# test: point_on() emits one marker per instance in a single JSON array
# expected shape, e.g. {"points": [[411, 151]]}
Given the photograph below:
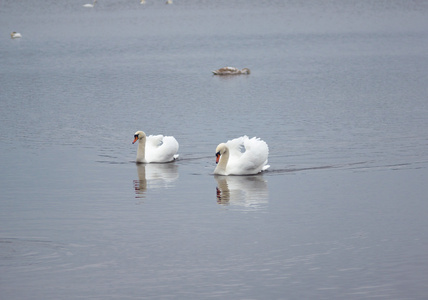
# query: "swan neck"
{"points": [[224, 158], [141, 152]]}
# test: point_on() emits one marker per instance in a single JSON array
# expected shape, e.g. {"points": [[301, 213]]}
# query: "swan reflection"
{"points": [[154, 176], [242, 191]]}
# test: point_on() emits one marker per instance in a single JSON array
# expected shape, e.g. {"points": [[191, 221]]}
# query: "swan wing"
{"points": [[161, 148], [236, 147], [230, 69], [226, 71], [249, 156], [154, 140]]}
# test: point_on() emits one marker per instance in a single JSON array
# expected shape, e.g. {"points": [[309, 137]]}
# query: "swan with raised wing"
{"points": [[155, 148], [242, 156]]}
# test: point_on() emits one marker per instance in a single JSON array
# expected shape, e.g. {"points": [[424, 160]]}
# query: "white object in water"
{"points": [[15, 35], [90, 5], [242, 156], [155, 148]]}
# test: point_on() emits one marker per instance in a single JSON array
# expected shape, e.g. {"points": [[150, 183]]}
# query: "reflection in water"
{"points": [[242, 191], [154, 176]]}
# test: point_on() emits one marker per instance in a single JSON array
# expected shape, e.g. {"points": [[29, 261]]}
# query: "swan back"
{"points": [[231, 71], [161, 148]]}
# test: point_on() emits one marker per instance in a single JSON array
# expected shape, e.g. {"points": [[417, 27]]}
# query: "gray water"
{"points": [[338, 90]]}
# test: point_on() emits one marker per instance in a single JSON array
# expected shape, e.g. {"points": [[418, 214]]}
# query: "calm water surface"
{"points": [[338, 90]]}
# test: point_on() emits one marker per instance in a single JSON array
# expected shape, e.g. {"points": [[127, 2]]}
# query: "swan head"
{"points": [[245, 71], [219, 151], [138, 136]]}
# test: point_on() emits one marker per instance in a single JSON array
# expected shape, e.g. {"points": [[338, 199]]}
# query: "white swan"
{"points": [[242, 156], [231, 71], [15, 35], [90, 5], [155, 148]]}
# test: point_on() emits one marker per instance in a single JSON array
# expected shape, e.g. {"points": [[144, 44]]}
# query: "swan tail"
{"points": [[169, 148], [265, 167]]}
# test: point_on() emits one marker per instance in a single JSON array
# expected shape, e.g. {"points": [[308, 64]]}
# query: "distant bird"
{"points": [[231, 71], [143, 2], [90, 5], [15, 35], [168, 2], [242, 156]]}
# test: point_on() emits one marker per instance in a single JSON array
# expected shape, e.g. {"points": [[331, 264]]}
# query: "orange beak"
{"points": [[135, 139], [217, 158]]}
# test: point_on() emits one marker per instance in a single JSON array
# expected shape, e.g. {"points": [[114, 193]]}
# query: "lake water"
{"points": [[338, 90]]}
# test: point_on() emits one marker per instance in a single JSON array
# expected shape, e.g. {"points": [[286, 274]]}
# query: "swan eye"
{"points": [[217, 154], [136, 136]]}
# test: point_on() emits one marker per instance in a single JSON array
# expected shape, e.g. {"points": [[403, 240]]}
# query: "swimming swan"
{"points": [[155, 148], [15, 35], [242, 156], [231, 71], [90, 5]]}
